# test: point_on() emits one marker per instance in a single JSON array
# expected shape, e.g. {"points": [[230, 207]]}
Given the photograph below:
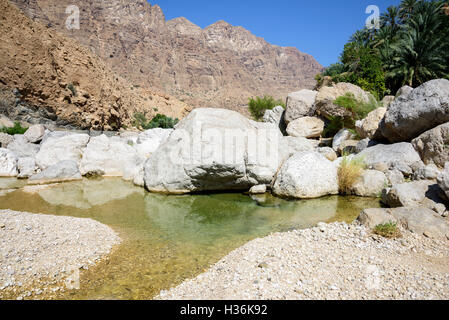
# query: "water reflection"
{"points": [[170, 238]]}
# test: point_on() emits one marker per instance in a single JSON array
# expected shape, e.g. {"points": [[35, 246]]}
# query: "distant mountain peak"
{"points": [[218, 66]]}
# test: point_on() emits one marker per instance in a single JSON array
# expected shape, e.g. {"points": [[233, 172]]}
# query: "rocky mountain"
{"points": [[219, 66], [48, 78]]}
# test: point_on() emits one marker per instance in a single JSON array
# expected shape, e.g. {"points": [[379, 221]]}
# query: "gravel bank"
{"points": [[336, 261], [40, 252]]}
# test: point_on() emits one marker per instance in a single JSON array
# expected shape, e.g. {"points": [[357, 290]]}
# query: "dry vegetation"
{"points": [[348, 173]]}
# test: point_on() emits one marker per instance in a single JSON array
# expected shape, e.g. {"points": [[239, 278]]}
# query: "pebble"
{"points": [[345, 261], [58, 243]]}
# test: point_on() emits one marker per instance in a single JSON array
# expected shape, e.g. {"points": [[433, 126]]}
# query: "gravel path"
{"points": [[336, 261], [41, 252]]}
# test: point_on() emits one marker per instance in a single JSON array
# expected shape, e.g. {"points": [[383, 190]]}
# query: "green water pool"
{"points": [[168, 239]]}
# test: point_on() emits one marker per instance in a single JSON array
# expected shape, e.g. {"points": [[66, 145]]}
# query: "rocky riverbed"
{"points": [[41, 253], [335, 261]]}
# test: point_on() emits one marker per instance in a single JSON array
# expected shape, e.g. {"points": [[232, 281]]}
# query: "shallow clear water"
{"points": [[167, 239]]}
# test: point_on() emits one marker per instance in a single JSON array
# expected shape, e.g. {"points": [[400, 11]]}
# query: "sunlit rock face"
{"points": [[215, 149]]}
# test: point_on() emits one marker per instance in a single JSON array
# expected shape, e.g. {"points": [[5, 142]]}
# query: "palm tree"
{"points": [[421, 54], [391, 17], [406, 7], [360, 38]]}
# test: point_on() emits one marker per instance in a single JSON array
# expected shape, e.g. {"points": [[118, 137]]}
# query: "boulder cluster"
{"points": [[404, 147]]}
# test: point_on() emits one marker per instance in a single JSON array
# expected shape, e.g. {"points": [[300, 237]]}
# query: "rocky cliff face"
{"points": [[50, 79], [219, 66]]}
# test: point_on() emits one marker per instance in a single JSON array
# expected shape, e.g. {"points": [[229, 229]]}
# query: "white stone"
{"points": [[306, 175], [56, 149]]}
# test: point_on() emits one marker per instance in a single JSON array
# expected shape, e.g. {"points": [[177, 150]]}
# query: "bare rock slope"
{"points": [[46, 77], [219, 66]]}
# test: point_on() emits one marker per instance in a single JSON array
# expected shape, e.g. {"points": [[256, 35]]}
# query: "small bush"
{"points": [[358, 108], [388, 230], [159, 121], [17, 129], [348, 173], [258, 106]]}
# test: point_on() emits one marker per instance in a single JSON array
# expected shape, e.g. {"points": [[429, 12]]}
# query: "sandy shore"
{"points": [[336, 261], [43, 252]]}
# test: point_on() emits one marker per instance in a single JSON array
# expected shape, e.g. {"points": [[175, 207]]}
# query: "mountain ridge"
{"points": [[218, 66]]}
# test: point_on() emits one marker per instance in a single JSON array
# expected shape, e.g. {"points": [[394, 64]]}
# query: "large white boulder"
{"points": [[306, 175], [214, 149], [149, 141], [55, 149], [112, 157], [8, 163]]}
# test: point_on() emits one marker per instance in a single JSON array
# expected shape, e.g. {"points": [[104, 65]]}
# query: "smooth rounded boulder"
{"points": [[389, 154], [300, 104], [35, 133], [413, 114], [307, 127], [214, 150], [433, 145], [306, 175]]}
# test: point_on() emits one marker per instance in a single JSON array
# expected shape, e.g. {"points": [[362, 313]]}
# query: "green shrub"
{"points": [[349, 172], [258, 106], [17, 129], [358, 108], [159, 121], [387, 230]]}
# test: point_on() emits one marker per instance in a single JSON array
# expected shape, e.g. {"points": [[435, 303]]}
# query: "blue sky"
{"points": [[319, 27]]}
